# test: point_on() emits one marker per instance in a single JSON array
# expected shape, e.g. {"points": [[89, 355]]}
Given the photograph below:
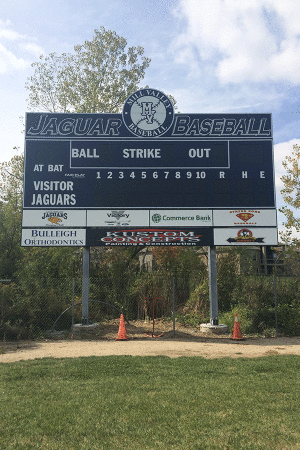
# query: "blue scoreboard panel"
{"points": [[96, 161]]}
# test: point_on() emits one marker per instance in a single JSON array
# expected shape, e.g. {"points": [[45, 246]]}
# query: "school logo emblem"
{"points": [[245, 235], [148, 113]]}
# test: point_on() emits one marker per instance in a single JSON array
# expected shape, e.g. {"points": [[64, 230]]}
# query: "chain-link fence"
{"points": [[35, 307]]}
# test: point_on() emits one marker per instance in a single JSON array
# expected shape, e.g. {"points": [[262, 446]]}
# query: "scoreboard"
{"points": [[146, 174], [89, 171]]}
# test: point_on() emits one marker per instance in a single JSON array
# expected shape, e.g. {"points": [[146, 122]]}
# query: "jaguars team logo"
{"points": [[148, 113]]}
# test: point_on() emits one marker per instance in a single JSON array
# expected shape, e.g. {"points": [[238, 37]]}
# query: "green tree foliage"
{"points": [[172, 267], [112, 271], [228, 264], [96, 78], [176, 260], [11, 181], [49, 262], [291, 194]]}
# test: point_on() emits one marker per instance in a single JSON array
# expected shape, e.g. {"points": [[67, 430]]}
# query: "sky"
{"points": [[213, 56]]}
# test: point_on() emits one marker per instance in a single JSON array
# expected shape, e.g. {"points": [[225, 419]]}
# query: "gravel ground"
{"points": [[187, 342]]}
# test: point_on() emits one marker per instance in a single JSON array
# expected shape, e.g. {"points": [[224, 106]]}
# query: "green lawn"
{"points": [[124, 402]]}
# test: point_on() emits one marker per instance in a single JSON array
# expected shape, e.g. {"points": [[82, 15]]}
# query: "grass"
{"points": [[137, 403]]}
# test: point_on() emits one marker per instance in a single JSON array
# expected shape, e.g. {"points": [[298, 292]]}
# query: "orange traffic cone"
{"points": [[236, 333], [122, 335]]}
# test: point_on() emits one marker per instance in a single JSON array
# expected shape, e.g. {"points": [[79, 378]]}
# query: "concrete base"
{"points": [[207, 328], [85, 331]]}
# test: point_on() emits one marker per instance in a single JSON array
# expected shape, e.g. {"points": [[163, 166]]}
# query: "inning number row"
{"points": [[153, 175]]}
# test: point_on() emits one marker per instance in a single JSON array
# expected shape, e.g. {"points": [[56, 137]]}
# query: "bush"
{"points": [[244, 317], [196, 309], [289, 319]]}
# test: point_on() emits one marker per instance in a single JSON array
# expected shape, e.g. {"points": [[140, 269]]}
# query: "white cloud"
{"points": [[32, 48], [11, 35], [244, 41], [5, 23], [284, 149], [16, 49], [9, 61]]}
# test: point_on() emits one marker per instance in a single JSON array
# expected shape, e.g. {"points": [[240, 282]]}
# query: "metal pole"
{"points": [[73, 296], [85, 285], [213, 289], [153, 304], [173, 307], [275, 298]]}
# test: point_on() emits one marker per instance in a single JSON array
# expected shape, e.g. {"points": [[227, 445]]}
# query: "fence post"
{"points": [[213, 289], [85, 285], [275, 298], [73, 296], [173, 307]]}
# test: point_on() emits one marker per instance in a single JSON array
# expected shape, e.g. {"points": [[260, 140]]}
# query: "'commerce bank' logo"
{"points": [[148, 113], [156, 218]]}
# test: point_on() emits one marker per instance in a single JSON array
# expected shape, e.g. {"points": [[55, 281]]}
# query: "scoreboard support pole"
{"points": [[213, 288], [85, 285]]}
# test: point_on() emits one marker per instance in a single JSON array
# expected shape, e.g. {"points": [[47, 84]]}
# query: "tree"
{"points": [[11, 180], [97, 78], [291, 194]]}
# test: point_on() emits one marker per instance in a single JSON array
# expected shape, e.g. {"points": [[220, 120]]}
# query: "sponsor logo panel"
{"points": [[54, 218], [182, 237], [117, 218], [45, 237], [179, 217], [245, 217], [245, 236]]}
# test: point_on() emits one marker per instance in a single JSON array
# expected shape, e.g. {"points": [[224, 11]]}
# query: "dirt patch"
{"points": [[187, 342]]}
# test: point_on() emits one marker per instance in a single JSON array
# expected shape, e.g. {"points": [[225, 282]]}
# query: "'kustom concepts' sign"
{"points": [[150, 237], [148, 167]]}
